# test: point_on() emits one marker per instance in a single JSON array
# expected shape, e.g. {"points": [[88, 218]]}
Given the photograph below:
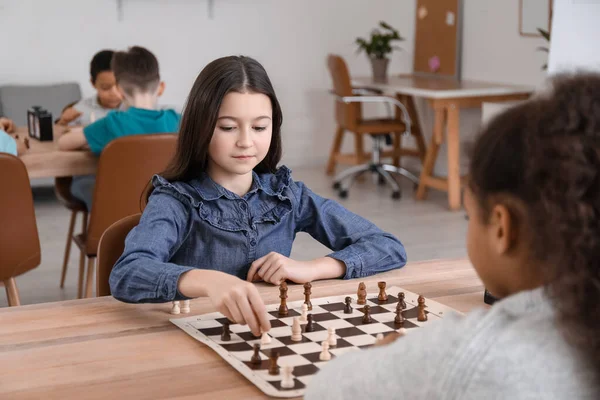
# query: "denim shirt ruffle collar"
{"points": [[204, 189]]}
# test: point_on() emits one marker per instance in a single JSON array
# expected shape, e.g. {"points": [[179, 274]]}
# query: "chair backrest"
{"points": [[346, 115], [110, 248], [19, 240], [16, 99], [125, 168]]}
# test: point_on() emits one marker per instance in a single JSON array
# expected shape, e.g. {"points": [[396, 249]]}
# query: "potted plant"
{"points": [[378, 47], [546, 35]]}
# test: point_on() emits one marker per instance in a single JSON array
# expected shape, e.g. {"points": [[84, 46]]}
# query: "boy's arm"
{"points": [[69, 114], [74, 140]]}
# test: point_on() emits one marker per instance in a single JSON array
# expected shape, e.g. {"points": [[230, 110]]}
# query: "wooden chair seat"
{"points": [[379, 126]]}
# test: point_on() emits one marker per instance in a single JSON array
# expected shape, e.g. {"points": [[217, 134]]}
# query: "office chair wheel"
{"points": [[343, 194], [337, 185], [396, 195], [380, 180]]}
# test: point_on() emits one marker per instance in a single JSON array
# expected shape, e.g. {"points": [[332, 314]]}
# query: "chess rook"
{"points": [[273, 367], [185, 307]]}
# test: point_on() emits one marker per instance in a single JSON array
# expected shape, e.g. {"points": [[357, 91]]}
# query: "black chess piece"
{"points": [[256, 360], [399, 320], [488, 298], [226, 334], [309, 325], [367, 317], [348, 307], [273, 367], [401, 301]]}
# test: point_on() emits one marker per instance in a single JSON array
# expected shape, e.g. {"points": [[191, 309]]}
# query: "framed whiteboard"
{"points": [[534, 14]]}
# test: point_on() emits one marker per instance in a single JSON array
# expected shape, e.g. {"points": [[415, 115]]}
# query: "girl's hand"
{"points": [[7, 125], [240, 302], [276, 268]]}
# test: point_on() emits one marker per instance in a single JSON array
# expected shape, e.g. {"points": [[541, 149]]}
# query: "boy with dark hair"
{"points": [[107, 97], [138, 81]]}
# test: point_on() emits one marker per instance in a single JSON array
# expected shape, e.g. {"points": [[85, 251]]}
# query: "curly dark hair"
{"points": [[541, 159]]}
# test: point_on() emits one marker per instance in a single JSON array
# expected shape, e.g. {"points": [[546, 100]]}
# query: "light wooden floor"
{"points": [[427, 230]]}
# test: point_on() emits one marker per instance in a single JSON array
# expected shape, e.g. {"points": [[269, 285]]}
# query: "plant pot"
{"points": [[380, 66]]}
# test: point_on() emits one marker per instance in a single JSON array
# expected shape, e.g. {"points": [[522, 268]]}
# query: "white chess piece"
{"points": [[304, 316], [175, 309], [288, 379], [185, 306], [402, 331], [379, 337], [265, 339], [296, 330], [325, 356], [331, 338]]}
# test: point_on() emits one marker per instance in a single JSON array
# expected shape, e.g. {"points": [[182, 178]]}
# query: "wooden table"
{"points": [[44, 160], [446, 97], [103, 349]]}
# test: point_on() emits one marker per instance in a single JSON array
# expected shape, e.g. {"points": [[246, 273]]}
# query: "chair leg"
{"points": [[90, 277], [400, 171], [389, 179], [81, 275], [68, 249], [335, 150], [12, 293], [397, 148]]}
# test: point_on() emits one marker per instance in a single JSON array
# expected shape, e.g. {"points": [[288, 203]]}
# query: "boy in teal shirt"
{"points": [[138, 80]]}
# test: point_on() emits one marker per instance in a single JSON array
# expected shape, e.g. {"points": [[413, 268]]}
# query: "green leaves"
{"points": [[379, 44], [546, 35]]}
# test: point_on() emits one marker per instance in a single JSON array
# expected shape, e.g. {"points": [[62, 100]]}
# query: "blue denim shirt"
{"points": [[200, 224]]}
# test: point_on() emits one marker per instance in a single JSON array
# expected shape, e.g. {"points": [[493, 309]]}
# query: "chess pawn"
{"points": [[382, 294], [175, 308], [361, 294], [399, 319], [287, 382], [304, 315], [421, 301], [401, 332], [379, 337], [331, 338], [256, 359], [348, 307], [401, 301], [367, 317], [296, 330], [309, 325], [185, 307], [265, 339], [325, 355], [421, 316], [226, 334]]}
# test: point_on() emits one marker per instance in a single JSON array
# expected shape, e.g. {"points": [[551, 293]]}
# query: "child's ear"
{"points": [[121, 91], [503, 229], [161, 89]]}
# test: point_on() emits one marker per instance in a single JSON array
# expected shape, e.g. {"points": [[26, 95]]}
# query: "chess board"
{"points": [[352, 335]]}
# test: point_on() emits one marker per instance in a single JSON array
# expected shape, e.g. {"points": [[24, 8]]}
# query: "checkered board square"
{"points": [[351, 333]]}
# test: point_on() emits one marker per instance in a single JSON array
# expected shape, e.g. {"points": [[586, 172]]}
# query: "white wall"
{"points": [[575, 33], [49, 41]]}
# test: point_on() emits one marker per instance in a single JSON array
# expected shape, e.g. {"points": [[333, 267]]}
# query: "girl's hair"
{"points": [[220, 77], [541, 159]]}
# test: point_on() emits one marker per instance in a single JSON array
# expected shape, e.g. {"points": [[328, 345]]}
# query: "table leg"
{"points": [[453, 132], [432, 152]]}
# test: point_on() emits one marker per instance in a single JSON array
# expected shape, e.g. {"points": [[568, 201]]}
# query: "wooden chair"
{"points": [[348, 114], [19, 241], [110, 248], [125, 168], [62, 189]]}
